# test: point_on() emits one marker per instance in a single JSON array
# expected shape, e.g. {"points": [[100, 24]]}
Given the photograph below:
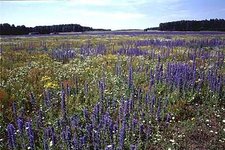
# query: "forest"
{"points": [[7, 29], [193, 25]]}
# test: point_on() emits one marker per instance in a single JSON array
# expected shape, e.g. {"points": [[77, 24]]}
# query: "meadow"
{"points": [[113, 91]]}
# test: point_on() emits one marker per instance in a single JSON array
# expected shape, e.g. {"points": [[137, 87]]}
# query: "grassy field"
{"points": [[113, 91]]}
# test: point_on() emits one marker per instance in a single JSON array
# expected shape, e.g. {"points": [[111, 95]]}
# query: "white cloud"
{"points": [[113, 15], [121, 13], [112, 3], [100, 19]]}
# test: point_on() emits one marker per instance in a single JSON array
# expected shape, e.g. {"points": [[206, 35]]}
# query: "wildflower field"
{"points": [[113, 91]]}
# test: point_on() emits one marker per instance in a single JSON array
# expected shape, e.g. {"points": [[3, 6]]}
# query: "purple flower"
{"points": [[146, 100], [86, 89], [74, 120], [97, 140], [68, 137], [85, 113], [68, 133], [122, 136], [111, 130], [125, 109], [63, 103], [151, 79], [141, 131], [96, 114], [20, 124], [158, 117], [39, 119], [152, 104], [101, 90], [75, 143], [89, 129], [11, 136], [67, 90], [32, 99], [14, 109], [168, 117], [47, 98], [53, 136], [63, 135], [133, 147], [30, 135], [149, 131], [83, 140], [134, 124], [45, 140], [130, 77]]}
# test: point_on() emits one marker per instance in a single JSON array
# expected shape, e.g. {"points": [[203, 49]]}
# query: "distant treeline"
{"points": [[193, 25], [7, 29]]}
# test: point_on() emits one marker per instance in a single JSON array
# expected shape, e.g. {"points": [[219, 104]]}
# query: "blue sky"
{"points": [[113, 14]]}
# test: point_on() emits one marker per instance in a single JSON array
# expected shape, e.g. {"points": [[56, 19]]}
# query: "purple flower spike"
{"points": [[45, 140], [32, 99], [63, 103], [30, 135], [14, 109], [130, 77], [11, 136], [133, 147], [20, 124], [168, 117], [47, 98], [122, 136]]}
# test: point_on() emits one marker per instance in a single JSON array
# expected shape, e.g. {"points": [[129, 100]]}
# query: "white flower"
{"points": [[95, 131], [51, 143], [109, 146], [172, 140], [223, 121], [217, 115]]}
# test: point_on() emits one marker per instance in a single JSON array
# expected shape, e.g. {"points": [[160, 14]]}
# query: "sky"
{"points": [[108, 14]]}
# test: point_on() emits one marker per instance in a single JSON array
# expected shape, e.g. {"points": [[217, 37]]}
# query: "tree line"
{"points": [[193, 25], [7, 29]]}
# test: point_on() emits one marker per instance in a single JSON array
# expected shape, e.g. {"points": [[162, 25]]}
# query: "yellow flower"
{"points": [[112, 57], [50, 84], [45, 78]]}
